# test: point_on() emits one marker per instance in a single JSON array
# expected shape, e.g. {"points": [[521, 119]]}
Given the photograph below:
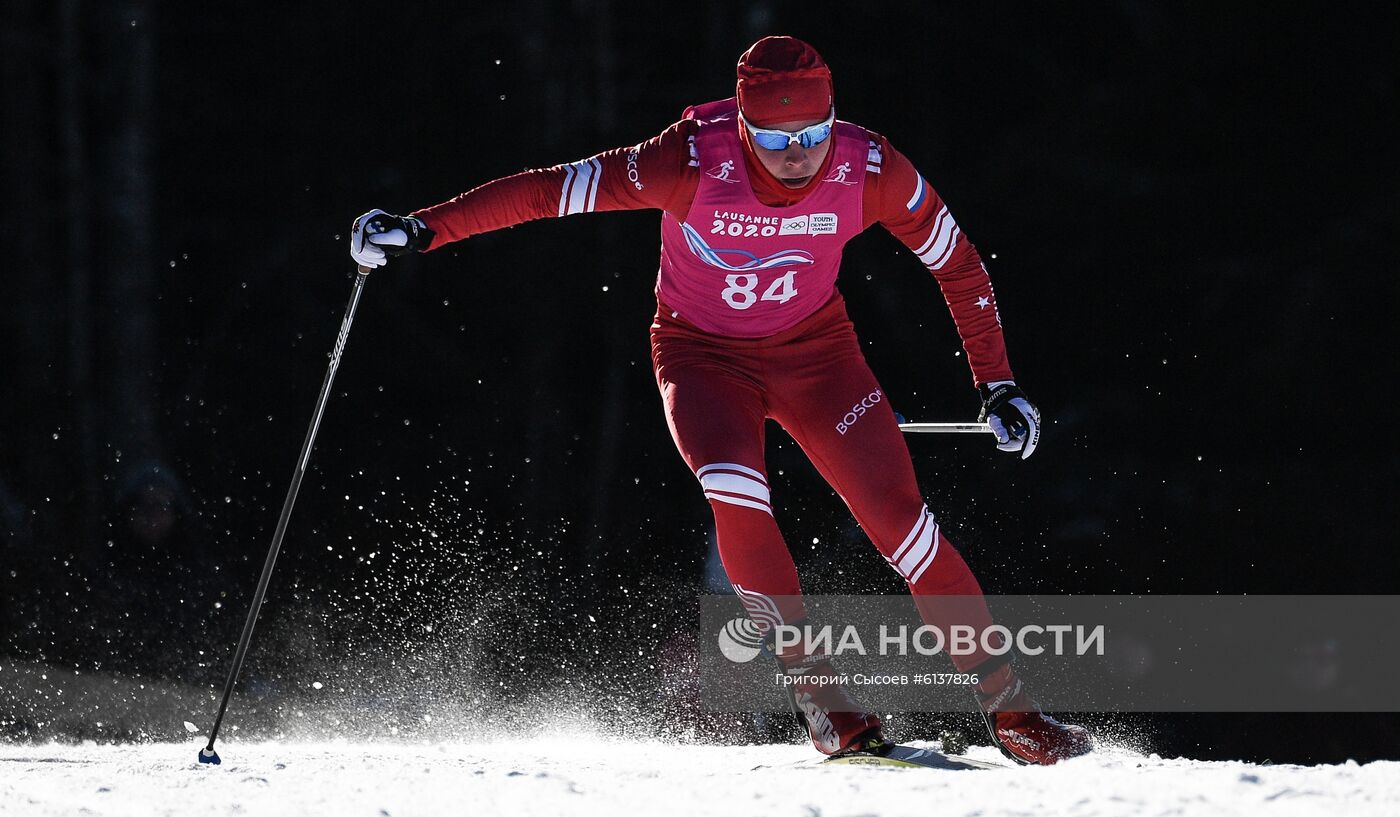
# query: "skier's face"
{"points": [[796, 165]]}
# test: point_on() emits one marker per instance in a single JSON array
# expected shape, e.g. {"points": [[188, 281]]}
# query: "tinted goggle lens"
{"points": [[779, 140]]}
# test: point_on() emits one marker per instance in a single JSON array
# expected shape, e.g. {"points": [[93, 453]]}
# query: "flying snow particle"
{"points": [[191, 728], [316, 685]]}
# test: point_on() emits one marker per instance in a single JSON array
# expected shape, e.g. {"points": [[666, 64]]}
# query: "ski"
{"points": [[897, 756], [909, 757]]}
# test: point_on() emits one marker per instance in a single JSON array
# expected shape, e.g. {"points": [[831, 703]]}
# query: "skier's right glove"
{"points": [[1011, 416], [377, 233]]}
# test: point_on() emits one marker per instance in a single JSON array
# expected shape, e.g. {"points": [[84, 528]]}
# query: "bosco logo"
{"points": [[793, 226], [633, 175], [858, 411]]}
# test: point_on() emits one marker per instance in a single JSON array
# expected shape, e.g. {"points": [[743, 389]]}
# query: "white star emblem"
{"points": [[983, 302]]}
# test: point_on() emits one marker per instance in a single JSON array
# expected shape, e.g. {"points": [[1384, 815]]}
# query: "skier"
{"points": [[759, 193]]}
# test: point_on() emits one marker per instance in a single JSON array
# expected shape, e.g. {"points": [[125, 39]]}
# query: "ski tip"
{"points": [[209, 756]]}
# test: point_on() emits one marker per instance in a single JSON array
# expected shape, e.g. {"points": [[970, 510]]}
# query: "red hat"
{"points": [[782, 79]]}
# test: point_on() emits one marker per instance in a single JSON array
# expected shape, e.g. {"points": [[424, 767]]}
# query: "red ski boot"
{"points": [[1020, 729], [836, 722]]}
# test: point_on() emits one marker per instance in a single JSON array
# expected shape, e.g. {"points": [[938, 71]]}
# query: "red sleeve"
{"points": [[658, 173], [898, 197]]}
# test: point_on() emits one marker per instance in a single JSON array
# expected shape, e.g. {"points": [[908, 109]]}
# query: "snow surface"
{"points": [[580, 774]]}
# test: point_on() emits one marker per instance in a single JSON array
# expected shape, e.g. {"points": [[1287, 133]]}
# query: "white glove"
{"points": [[1013, 418], [377, 234]]}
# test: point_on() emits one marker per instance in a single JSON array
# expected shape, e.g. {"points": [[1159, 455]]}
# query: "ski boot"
{"points": [[836, 722], [1018, 728]]}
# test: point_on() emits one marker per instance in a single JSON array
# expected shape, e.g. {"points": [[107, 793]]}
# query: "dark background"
{"points": [[1188, 213]]}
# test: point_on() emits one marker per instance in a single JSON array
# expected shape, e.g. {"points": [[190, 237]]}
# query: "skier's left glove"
{"points": [[1012, 417], [376, 233]]}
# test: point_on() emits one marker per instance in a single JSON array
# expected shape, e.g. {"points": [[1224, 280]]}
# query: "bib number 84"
{"points": [[740, 292]]}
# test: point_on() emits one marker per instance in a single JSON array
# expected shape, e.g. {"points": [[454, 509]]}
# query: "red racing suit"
{"points": [[750, 327]]}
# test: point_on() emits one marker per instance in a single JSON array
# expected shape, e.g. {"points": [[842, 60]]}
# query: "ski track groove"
{"points": [[598, 776]]}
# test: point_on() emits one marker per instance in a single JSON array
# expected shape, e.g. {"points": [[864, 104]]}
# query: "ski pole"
{"points": [[945, 428], [207, 754]]}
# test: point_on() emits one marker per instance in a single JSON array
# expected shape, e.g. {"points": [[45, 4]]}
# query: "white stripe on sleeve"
{"points": [[947, 253], [597, 180], [578, 195], [731, 466], [918, 194], [933, 234], [919, 571], [916, 553], [564, 194], [913, 534], [740, 501], [762, 609], [735, 484], [935, 252]]}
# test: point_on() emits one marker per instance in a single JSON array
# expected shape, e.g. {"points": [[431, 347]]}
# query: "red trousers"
{"points": [[814, 382]]}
